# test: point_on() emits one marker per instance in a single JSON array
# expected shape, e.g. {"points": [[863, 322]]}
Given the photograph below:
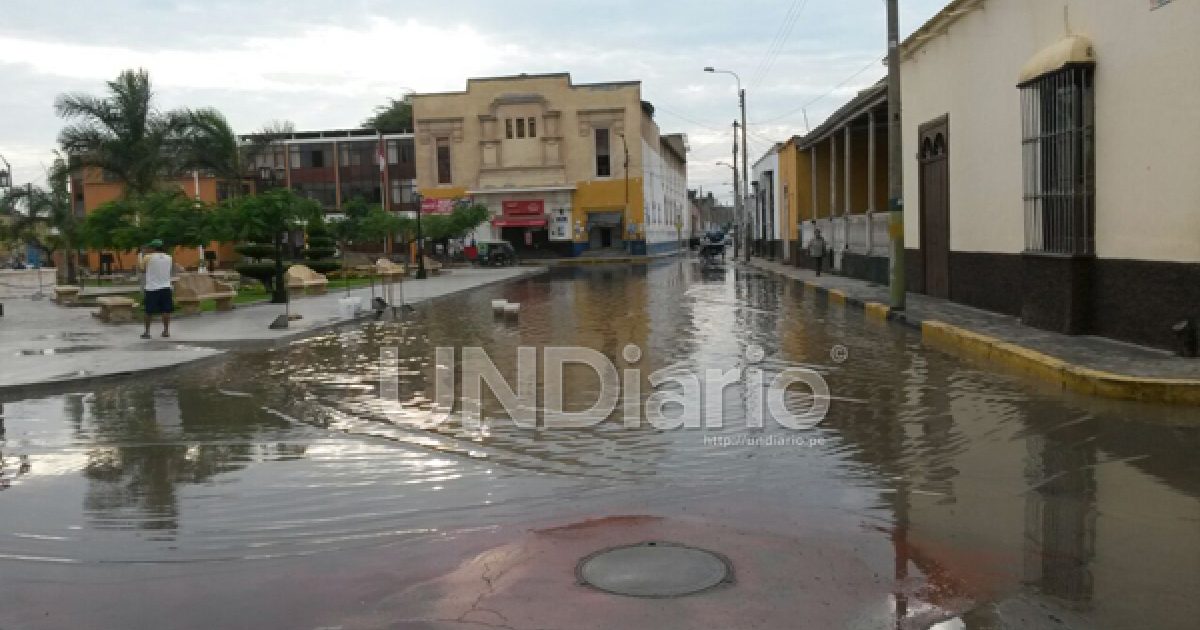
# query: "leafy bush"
{"points": [[257, 251], [316, 251], [324, 266], [321, 247], [263, 271]]}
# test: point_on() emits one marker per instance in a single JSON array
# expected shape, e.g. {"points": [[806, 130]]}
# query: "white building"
{"points": [[767, 188], [1052, 151], [668, 221]]}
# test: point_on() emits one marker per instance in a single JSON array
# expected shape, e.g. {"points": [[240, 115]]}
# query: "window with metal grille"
{"points": [[1058, 155]]}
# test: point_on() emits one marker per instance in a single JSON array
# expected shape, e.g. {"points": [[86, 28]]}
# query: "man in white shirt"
{"points": [[156, 289]]}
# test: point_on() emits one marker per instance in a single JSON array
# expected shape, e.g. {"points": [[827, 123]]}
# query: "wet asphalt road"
{"points": [[276, 488]]}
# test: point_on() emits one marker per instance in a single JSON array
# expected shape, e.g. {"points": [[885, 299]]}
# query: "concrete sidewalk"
{"points": [[44, 344], [1086, 364]]}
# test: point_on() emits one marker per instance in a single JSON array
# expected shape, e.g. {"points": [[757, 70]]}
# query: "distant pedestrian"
{"points": [[156, 289], [816, 249]]}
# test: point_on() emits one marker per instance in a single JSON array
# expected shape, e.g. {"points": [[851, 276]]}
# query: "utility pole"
{"points": [[745, 166], [625, 171], [739, 204], [895, 160], [421, 273], [744, 223]]}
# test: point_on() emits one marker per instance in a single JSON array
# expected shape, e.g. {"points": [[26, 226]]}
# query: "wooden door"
{"points": [[934, 158]]}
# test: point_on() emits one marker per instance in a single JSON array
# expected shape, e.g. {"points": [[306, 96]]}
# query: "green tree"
{"points": [[394, 117], [349, 228], [320, 248], [43, 217], [112, 226], [123, 133], [268, 215], [464, 218], [210, 143], [379, 224], [128, 223]]}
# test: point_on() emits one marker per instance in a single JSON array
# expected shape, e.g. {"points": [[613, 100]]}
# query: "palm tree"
{"points": [[43, 217], [123, 133], [210, 143]]}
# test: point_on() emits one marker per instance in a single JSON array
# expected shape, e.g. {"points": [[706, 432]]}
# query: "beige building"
{"points": [[566, 169], [1051, 157]]}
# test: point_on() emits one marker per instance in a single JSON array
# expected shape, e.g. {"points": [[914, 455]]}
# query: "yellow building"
{"points": [[566, 169], [834, 179]]}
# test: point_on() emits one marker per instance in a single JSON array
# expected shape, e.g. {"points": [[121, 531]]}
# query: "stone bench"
{"points": [[389, 270], [115, 310], [191, 288], [432, 267], [232, 278], [66, 294], [306, 281]]}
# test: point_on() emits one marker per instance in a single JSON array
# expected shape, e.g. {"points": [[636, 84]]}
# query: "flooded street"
{"points": [[277, 489]]}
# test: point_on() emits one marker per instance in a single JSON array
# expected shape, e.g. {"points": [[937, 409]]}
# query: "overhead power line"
{"points": [[777, 44], [819, 98]]}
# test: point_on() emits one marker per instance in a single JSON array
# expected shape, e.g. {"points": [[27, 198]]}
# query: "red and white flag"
{"points": [[381, 155]]}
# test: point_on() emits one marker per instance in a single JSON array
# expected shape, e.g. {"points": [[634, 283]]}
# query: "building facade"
{"points": [[335, 166], [707, 215], [835, 181], [1051, 150], [766, 186], [566, 169], [331, 167], [92, 187]]}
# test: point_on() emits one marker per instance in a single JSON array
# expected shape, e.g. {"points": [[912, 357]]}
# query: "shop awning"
{"points": [[1072, 50], [519, 222]]}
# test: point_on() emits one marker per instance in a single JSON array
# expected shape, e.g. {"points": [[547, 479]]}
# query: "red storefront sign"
{"points": [[437, 206], [524, 207]]}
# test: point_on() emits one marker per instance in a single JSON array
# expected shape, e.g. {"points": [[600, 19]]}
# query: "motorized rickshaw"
{"points": [[712, 249], [495, 254]]}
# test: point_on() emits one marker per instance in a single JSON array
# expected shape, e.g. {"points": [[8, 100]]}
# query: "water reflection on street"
{"points": [[978, 486]]}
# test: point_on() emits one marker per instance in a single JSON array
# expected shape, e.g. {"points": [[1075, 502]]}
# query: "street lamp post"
{"points": [[279, 293], [745, 150], [421, 275]]}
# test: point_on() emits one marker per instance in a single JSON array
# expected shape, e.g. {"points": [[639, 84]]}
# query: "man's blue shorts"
{"points": [[158, 301]]}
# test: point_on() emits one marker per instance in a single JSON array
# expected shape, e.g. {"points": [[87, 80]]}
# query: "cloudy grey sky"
{"points": [[327, 63]]}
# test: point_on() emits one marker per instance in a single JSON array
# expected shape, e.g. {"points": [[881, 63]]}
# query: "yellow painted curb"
{"points": [[1022, 360], [810, 285], [836, 297], [877, 311]]}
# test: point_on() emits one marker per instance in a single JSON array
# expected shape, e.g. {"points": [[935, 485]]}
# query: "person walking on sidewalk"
{"points": [[156, 286], [816, 249]]}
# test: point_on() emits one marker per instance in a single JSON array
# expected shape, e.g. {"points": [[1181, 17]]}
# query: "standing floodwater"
{"points": [[276, 488]]}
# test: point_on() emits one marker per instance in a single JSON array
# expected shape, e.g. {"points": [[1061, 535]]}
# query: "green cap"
{"points": [[156, 243]]}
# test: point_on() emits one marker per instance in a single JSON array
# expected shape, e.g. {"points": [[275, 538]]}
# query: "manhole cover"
{"points": [[654, 569]]}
